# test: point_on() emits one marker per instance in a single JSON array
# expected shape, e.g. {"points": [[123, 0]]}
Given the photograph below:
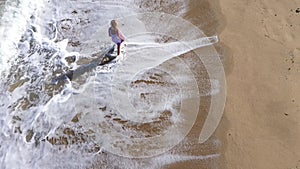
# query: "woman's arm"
{"points": [[120, 35], [109, 32]]}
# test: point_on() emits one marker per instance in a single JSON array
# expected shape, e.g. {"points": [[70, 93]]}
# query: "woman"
{"points": [[115, 34]]}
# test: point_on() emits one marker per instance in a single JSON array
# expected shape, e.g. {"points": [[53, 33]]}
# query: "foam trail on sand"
{"points": [[173, 49], [148, 58], [169, 159]]}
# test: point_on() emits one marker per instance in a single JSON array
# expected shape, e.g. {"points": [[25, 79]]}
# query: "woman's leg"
{"points": [[119, 47]]}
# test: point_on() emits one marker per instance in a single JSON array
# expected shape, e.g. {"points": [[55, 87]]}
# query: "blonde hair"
{"points": [[114, 24]]}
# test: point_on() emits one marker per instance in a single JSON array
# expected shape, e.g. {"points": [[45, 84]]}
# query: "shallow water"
{"points": [[141, 108]]}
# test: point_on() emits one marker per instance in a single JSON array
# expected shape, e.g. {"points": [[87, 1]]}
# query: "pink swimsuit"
{"points": [[115, 38]]}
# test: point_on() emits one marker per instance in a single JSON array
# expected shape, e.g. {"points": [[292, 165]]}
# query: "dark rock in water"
{"points": [[18, 84], [29, 135], [16, 118], [73, 74], [33, 28], [33, 97], [70, 59], [66, 24], [108, 57], [74, 43], [87, 11], [103, 108], [74, 12], [76, 118], [69, 131], [58, 141], [63, 78], [32, 17], [70, 74], [18, 130]]}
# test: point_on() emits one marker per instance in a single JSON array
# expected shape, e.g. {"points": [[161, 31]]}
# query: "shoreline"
{"points": [[227, 59], [215, 23]]}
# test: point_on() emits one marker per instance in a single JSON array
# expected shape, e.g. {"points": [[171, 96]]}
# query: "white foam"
{"points": [[13, 25], [161, 161], [172, 158]]}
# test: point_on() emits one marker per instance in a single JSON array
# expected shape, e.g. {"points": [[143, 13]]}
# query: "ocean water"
{"points": [[132, 115]]}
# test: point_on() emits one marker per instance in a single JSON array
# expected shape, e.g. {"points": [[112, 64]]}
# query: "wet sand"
{"points": [[208, 155]]}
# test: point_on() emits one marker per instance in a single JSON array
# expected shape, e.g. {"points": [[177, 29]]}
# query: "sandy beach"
{"points": [[260, 127], [130, 117]]}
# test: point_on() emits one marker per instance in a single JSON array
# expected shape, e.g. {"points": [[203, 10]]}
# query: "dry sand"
{"points": [[260, 128]]}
